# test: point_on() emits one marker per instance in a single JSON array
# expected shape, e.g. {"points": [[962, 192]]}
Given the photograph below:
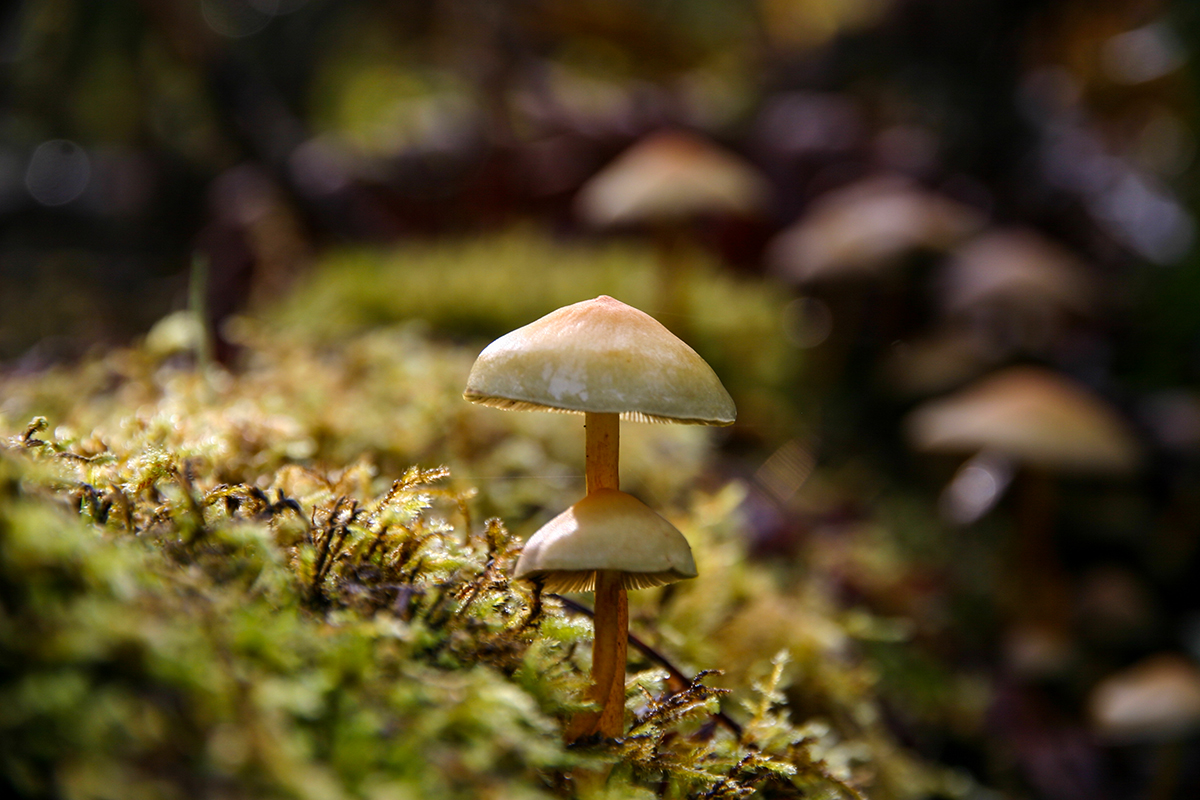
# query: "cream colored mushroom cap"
{"points": [[600, 356], [1017, 267], [607, 530], [1155, 699], [861, 231], [670, 176], [1033, 415]]}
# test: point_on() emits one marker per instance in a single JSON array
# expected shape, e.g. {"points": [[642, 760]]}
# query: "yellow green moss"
{"points": [[240, 584]]}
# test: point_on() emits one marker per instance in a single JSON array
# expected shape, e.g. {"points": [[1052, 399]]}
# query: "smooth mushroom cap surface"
{"points": [[671, 176], [862, 230], [607, 530], [1155, 699], [600, 356], [1033, 415], [937, 362], [1018, 268]]}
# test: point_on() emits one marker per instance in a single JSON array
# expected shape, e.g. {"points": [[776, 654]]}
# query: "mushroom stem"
{"points": [[608, 662], [1041, 581], [673, 258], [602, 455], [612, 606]]}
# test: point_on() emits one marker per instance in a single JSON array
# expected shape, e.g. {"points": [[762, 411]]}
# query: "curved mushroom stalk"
{"points": [[608, 662]]}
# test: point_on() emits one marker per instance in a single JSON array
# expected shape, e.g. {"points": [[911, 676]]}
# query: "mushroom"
{"points": [[1032, 415], [862, 230], [608, 542], [1156, 699], [664, 182], [1016, 285], [936, 362], [670, 177], [607, 530], [1028, 422], [848, 248], [605, 360], [1153, 705]]}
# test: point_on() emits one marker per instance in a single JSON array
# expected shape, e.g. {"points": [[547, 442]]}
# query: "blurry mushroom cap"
{"points": [[671, 176], [1033, 415], [1018, 268], [861, 230], [607, 530], [600, 356], [936, 362], [1155, 699]]}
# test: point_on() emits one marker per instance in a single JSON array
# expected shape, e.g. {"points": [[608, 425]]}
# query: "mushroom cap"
{"points": [[1030, 414], [610, 530], [1155, 699], [862, 230], [670, 176], [1015, 268], [600, 356], [936, 362]]}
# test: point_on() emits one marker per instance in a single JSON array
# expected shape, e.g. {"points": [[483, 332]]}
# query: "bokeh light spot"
{"points": [[807, 322], [58, 172]]}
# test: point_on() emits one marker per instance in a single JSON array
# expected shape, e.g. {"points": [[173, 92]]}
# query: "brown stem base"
{"points": [[608, 663]]}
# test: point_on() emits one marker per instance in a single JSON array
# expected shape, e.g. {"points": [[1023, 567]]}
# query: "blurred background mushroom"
{"points": [[1152, 708], [863, 251], [1016, 290], [860, 231], [1029, 424], [669, 183], [1157, 699]]}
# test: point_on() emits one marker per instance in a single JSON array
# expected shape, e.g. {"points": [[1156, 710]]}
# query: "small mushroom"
{"points": [[1016, 285], [608, 542], [1155, 700], [663, 183], [1027, 423], [607, 530], [605, 360], [862, 230]]}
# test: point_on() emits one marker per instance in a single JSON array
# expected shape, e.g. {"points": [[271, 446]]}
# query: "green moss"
{"points": [[240, 585]]}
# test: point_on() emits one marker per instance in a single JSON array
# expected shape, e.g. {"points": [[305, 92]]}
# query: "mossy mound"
{"points": [[238, 585]]}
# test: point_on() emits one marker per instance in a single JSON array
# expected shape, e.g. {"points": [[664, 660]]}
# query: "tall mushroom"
{"points": [[1036, 420], [663, 183], [607, 361], [848, 250]]}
